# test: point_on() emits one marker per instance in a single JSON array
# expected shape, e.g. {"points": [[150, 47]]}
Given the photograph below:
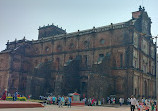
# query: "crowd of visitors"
{"points": [[111, 100], [140, 105], [59, 100], [66, 100], [143, 104]]}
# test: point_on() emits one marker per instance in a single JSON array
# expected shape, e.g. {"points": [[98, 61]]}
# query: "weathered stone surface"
{"points": [[118, 59]]}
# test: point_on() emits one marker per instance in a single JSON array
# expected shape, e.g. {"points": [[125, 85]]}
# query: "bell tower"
{"points": [[143, 21], [50, 30]]}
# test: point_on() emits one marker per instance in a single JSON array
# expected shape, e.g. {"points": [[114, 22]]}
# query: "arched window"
{"points": [[46, 48]]}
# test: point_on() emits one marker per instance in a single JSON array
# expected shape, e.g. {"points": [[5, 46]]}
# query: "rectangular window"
{"points": [[121, 60], [101, 56], [85, 59]]}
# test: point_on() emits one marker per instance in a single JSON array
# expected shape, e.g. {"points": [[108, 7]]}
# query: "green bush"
{"points": [[18, 98], [9, 98], [22, 98]]}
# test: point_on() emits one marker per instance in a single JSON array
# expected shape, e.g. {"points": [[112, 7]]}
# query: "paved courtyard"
{"points": [[73, 108]]}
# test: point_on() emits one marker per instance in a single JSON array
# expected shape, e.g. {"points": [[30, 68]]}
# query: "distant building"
{"points": [[118, 59]]}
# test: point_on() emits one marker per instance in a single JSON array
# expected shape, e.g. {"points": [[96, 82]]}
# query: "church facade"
{"points": [[117, 59]]}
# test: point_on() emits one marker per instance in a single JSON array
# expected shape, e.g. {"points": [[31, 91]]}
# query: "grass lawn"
{"points": [[34, 100]]}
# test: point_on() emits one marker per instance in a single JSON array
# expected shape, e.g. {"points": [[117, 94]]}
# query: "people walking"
{"points": [[15, 95], [133, 103], [89, 102], [69, 101], [53, 99], [59, 101], [93, 102], [128, 101], [62, 101], [108, 100], [120, 101], [4, 95], [140, 105], [84, 100], [103, 100], [152, 105], [113, 101]]}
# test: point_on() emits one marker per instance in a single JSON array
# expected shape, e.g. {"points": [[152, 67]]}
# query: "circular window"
{"points": [[102, 41], [47, 49], [59, 48]]}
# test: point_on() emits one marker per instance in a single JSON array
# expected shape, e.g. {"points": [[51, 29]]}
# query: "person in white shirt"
{"points": [[133, 103]]}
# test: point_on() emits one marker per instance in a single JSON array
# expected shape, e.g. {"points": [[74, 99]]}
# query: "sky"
{"points": [[19, 18]]}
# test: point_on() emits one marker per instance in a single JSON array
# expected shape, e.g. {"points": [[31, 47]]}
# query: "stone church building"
{"points": [[117, 59]]}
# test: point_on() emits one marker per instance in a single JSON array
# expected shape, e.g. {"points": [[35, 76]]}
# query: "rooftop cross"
{"points": [[140, 8]]}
